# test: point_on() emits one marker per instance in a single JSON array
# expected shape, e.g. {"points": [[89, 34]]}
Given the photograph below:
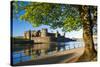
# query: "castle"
{"points": [[42, 36]]}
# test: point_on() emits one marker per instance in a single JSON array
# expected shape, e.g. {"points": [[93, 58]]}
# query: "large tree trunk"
{"points": [[89, 51]]}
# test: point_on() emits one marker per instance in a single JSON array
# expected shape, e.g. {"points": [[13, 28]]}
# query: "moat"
{"points": [[42, 50]]}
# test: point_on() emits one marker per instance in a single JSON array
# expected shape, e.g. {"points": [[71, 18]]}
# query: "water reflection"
{"points": [[40, 50]]}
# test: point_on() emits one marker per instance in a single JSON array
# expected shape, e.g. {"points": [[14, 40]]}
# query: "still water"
{"points": [[40, 50]]}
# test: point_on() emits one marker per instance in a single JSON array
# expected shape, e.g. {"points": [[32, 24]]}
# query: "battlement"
{"points": [[41, 35]]}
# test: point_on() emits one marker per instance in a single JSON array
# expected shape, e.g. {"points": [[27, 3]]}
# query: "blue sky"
{"points": [[19, 27]]}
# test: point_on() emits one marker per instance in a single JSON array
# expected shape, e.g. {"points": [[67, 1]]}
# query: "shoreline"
{"points": [[60, 57]]}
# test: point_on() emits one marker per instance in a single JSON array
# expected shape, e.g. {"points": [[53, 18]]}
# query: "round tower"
{"points": [[44, 32], [28, 35]]}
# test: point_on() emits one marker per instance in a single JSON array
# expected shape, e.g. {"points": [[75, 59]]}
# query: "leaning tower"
{"points": [[44, 32]]}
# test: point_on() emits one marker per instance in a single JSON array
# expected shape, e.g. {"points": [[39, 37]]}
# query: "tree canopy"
{"points": [[63, 16], [55, 15]]}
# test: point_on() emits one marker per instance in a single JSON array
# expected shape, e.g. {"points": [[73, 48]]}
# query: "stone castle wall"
{"points": [[43, 39], [41, 36]]}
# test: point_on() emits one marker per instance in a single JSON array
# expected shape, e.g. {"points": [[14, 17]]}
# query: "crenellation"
{"points": [[42, 35]]}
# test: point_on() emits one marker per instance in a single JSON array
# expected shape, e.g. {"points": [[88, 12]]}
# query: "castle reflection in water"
{"points": [[44, 43]]}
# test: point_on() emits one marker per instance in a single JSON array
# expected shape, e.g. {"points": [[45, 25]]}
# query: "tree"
{"points": [[67, 17], [87, 22]]}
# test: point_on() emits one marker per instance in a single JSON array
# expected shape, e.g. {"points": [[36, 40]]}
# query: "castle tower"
{"points": [[44, 32], [27, 35], [56, 34]]}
